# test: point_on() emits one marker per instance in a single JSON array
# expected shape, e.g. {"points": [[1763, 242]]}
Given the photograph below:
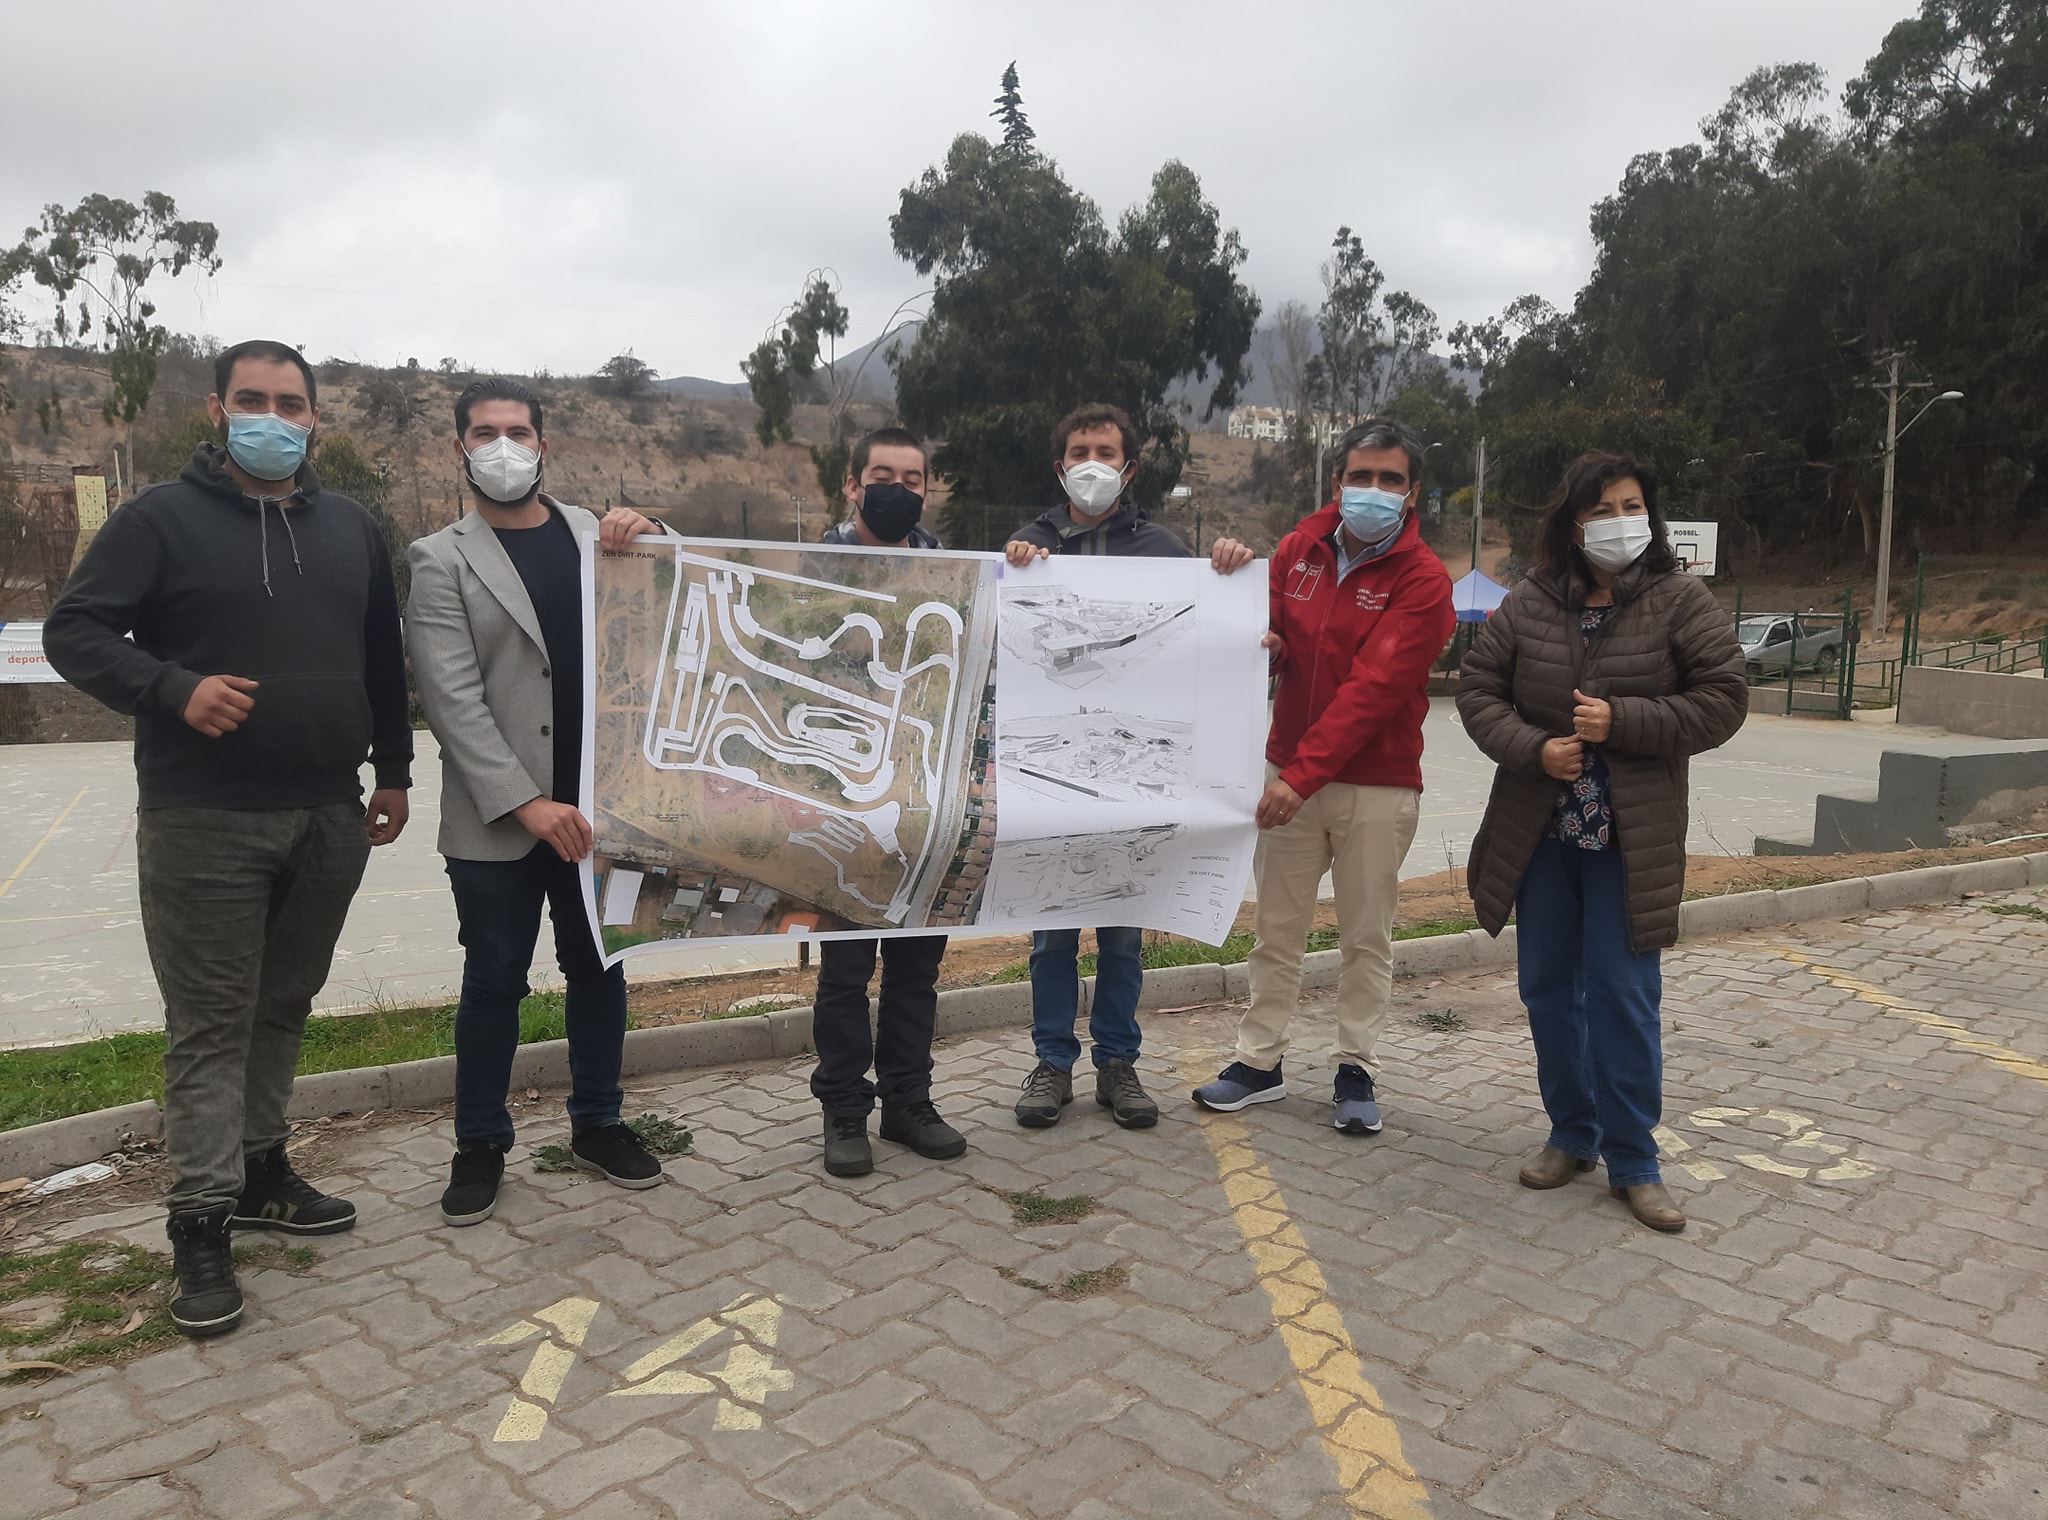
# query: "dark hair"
{"points": [[888, 438], [1085, 419], [1585, 478], [495, 388], [262, 348], [1380, 433]]}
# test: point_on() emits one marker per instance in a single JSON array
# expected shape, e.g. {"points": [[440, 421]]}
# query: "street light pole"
{"points": [[1478, 500]]}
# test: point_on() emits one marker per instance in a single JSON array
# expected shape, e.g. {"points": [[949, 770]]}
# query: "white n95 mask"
{"points": [[505, 471], [1092, 485]]}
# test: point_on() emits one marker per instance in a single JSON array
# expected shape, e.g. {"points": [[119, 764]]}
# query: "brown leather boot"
{"points": [[1652, 1203], [1553, 1168]]}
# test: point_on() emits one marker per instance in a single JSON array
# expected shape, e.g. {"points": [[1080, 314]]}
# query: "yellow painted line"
{"points": [[1958, 1035], [37, 848], [1357, 1432]]}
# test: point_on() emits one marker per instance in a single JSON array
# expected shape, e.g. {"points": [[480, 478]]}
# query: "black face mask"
{"points": [[890, 510]]}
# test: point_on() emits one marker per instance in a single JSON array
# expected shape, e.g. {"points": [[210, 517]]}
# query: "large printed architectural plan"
{"points": [[1130, 744], [786, 740], [811, 740]]}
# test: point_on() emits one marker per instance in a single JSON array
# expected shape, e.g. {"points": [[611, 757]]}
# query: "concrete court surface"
{"points": [[1307, 1324], [73, 963]]}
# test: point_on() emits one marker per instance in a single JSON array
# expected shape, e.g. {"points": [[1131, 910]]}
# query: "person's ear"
{"points": [[215, 411], [852, 490]]}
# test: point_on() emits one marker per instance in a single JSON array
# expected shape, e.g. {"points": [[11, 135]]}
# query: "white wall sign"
{"points": [[1696, 544]]}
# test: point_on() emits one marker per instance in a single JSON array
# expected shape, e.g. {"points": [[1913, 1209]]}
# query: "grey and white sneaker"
{"points": [[1239, 1086], [1358, 1111]]}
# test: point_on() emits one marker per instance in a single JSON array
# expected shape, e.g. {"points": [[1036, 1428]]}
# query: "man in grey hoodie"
{"points": [[247, 619]]}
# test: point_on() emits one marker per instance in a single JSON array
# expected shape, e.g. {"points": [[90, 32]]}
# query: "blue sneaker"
{"points": [[1239, 1086], [1358, 1112]]}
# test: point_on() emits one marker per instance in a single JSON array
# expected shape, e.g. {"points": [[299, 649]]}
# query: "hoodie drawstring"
{"points": [[285, 517], [263, 538]]}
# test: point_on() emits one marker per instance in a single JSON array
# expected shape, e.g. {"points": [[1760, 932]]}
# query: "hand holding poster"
{"points": [[812, 740]]}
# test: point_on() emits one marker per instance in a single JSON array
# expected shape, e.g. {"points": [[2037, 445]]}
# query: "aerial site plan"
{"points": [[787, 740]]}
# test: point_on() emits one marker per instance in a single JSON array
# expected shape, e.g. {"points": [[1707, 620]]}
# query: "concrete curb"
{"points": [[38, 1149]]}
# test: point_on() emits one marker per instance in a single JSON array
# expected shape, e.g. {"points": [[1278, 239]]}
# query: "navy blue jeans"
{"points": [[1593, 1009], [497, 904], [1056, 995]]}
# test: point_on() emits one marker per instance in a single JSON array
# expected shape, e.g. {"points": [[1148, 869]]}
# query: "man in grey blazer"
{"points": [[494, 626]]}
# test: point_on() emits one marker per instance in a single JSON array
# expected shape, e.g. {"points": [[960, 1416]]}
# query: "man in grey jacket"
{"points": [[494, 626]]}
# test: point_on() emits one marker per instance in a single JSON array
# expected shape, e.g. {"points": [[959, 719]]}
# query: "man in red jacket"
{"points": [[1360, 610]]}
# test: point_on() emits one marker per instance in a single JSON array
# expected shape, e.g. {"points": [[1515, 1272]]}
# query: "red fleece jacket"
{"points": [[1354, 658]]}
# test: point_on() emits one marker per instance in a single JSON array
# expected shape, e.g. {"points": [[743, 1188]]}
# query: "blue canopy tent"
{"points": [[1475, 595]]}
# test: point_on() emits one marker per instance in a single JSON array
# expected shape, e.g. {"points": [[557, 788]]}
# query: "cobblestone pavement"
{"points": [[1311, 1324]]}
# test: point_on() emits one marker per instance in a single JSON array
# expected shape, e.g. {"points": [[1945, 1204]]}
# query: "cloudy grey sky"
{"points": [[525, 185]]}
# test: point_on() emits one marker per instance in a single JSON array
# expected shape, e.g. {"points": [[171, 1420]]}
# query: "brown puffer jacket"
{"points": [[1666, 660]]}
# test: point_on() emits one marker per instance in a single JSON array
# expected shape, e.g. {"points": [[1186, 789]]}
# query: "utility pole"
{"points": [[1478, 500], [1892, 387], [1884, 521]]}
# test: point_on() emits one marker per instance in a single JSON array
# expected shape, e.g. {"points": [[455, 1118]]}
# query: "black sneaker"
{"points": [[917, 1124], [847, 1152], [274, 1197], [615, 1153], [473, 1178], [205, 1298], [1117, 1089], [1047, 1090]]}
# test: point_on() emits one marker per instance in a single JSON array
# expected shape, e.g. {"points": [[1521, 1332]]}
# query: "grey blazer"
{"points": [[481, 667]]}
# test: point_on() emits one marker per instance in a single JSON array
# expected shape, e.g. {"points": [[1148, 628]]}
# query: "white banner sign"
{"points": [[816, 740], [21, 654]]}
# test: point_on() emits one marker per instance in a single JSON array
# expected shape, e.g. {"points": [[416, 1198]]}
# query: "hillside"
{"points": [[694, 460]]}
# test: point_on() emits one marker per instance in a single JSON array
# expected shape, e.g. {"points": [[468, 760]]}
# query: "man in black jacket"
{"points": [[247, 619], [885, 494], [1095, 451]]}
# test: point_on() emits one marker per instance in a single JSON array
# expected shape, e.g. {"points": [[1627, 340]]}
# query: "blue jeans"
{"points": [[497, 904], [1056, 995], [1593, 1009]]}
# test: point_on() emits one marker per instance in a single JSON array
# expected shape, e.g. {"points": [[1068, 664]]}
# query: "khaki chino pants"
{"points": [[1359, 834]]}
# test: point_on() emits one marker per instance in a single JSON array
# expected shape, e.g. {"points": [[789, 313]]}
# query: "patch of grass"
{"points": [[61, 1080], [1430, 928], [1101, 1280], [1036, 1208], [749, 1009], [277, 1256], [1441, 1020], [96, 1289], [1074, 1284], [2020, 910], [662, 1136], [1171, 950]]}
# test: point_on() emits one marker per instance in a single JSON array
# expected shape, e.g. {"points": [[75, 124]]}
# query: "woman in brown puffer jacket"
{"points": [[1591, 687]]}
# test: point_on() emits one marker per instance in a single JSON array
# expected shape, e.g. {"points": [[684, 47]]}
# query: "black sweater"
{"points": [[295, 594]]}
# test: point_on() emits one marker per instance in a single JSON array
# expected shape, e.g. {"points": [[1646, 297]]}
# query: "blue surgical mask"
{"points": [[266, 445], [1370, 513]]}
